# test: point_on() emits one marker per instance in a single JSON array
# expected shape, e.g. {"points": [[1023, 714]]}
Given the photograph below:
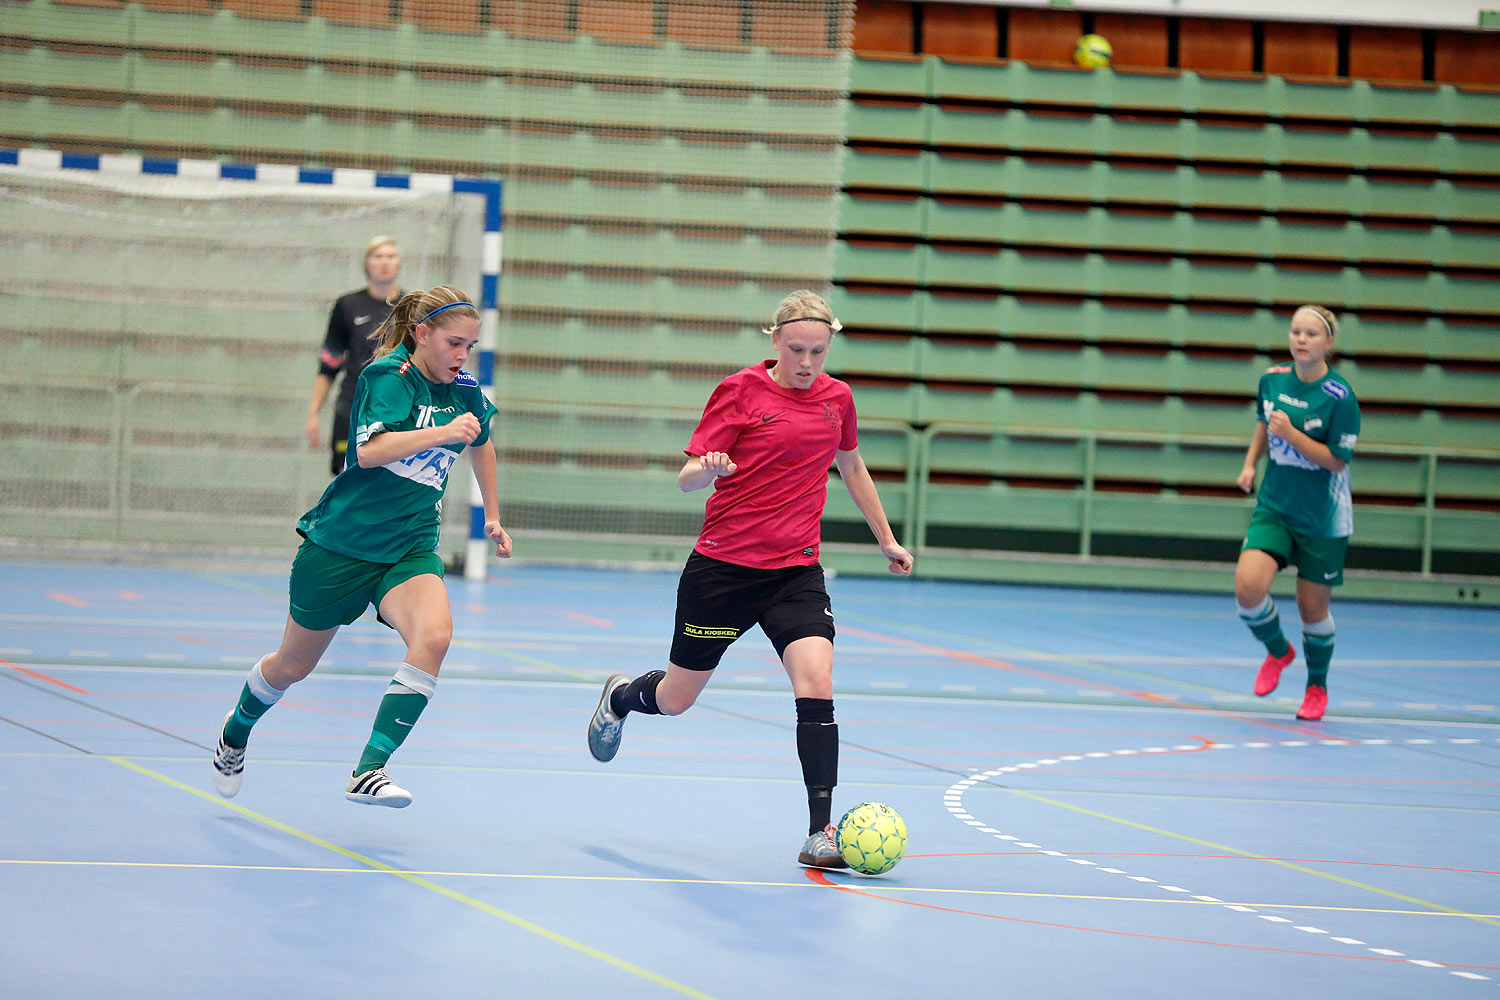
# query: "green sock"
{"points": [[1317, 646], [1265, 624], [399, 710], [256, 698]]}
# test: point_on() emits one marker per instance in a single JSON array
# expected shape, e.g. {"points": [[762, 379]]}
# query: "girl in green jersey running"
{"points": [[1307, 423], [372, 538]]}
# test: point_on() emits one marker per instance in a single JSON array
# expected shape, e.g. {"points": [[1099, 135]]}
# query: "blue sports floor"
{"points": [[1098, 808]]}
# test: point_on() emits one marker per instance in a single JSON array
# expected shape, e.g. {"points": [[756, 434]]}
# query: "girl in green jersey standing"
{"points": [[372, 538], [1308, 423]]}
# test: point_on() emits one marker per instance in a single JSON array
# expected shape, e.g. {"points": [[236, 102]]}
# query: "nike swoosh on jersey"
{"points": [[361, 320], [767, 420]]}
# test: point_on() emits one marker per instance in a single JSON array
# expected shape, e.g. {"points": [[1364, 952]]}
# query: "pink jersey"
{"points": [[766, 515]]}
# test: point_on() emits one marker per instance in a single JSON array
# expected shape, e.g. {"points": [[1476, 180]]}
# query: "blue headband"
{"points": [[451, 305]]}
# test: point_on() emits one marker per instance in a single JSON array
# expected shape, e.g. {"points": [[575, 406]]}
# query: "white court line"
{"points": [[953, 801]]}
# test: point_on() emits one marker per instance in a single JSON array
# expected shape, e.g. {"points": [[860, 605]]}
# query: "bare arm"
{"points": [[321, 384], [862, 491], [392, 446], [700, 470], [482, 458], [1246, 478], [1314, 451]]}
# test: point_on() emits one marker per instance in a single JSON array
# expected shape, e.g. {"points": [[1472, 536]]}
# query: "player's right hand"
{"points": [[462, 429], [719, 463], [314, 433], [497, 535], [1246, 479], [1279, 424]]}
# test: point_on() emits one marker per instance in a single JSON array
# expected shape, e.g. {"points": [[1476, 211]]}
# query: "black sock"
{"points": [[819, 808], [637, 696], [818, 750]]}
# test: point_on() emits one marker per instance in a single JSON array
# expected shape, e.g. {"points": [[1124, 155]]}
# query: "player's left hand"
{"points": [[499, 537], [901, 560]]}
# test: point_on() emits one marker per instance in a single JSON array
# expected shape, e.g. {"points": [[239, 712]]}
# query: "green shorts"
{"points": [[1320, 560], [328, 589]]}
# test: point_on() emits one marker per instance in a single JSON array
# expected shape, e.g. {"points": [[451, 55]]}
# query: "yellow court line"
{"points": [[744, 779], [418, 880], [530, 661], [740, 883], [1482, 918]]}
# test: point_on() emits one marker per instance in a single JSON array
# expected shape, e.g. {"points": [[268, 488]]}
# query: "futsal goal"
{"points": [[161, 322]]}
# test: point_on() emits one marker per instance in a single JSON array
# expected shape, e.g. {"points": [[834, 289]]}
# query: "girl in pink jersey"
{"points": [[766, 439]]}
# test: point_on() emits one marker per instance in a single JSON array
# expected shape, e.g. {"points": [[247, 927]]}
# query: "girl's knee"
{"points": [[1312, 609], [281, 670], [431, 645], [817, 686], [671, 704], [1249, 589]]}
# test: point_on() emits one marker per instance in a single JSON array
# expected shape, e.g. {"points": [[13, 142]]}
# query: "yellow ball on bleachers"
{"points": [[1093, 51]]}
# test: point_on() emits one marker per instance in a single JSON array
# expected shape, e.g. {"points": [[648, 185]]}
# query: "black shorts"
{"points": [[717, 601], [340, 442]]}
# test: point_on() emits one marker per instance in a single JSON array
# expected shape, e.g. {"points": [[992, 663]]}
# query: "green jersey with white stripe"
{"points": [[1313, 500], [381, 514]]}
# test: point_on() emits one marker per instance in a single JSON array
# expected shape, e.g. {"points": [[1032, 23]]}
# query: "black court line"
{"points": [[104, 711], [55, 739]]}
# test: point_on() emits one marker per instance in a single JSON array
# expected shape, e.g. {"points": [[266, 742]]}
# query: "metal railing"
{"points": [[118, 480]]}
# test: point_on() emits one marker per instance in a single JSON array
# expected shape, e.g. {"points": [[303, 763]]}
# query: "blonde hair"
{"points": [[376, 242], [437, 307], [803, 304]]}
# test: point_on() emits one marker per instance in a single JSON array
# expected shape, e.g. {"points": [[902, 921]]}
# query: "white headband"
{"points": [[1326, 325]]}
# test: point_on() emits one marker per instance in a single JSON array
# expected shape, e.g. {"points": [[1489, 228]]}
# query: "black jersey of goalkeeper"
{"points": [[347, 346], [384, 513]]}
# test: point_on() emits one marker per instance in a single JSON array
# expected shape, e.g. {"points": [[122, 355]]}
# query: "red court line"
{"points": [[819, 878], [130, 595], [66, 599], [983, 661], [589, 619], [1222, 713], [986, 661], [43, 677]]}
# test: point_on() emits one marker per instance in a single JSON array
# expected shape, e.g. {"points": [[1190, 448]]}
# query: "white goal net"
{"points": [[161, 336]]}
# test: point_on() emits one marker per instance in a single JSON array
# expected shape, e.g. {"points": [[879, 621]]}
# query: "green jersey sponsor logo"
{"points": [[1313, 500], [381, 514]]}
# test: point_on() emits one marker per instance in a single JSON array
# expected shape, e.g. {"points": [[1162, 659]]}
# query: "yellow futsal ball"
{"points": [[872, 838], [1093, 51]]}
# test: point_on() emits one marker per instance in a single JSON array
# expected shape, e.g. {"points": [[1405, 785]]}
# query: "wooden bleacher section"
{"points": [[1071, 280]]}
